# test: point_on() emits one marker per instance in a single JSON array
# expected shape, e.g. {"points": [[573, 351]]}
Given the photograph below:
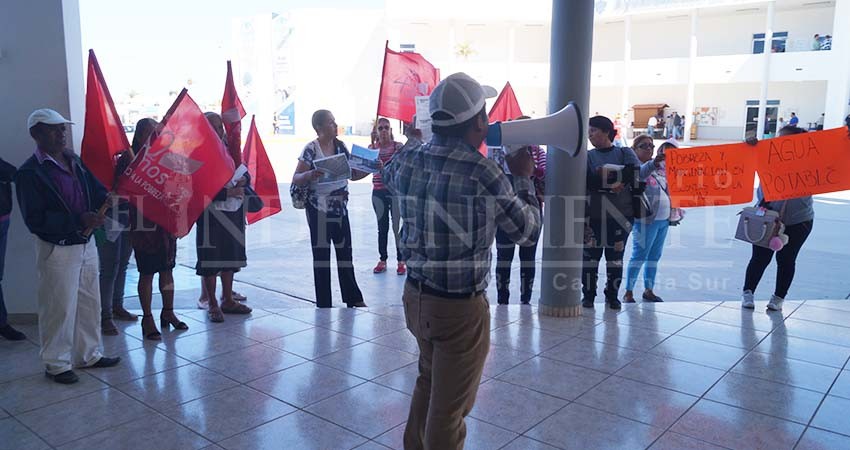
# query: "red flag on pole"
{"points": [[103, 136], [405, 75], [262, 175], [174, 178], [506, 106], [232, 113]]}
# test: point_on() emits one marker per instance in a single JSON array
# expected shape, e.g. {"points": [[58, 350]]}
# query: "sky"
{"points": [[155, 46]]}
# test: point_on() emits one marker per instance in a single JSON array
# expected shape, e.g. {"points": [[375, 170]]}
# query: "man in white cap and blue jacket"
{"points": [[58, 198], [452, 200]]}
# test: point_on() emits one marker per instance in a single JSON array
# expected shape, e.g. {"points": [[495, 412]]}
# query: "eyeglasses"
{"points": [[646, 146], [383, 127]]}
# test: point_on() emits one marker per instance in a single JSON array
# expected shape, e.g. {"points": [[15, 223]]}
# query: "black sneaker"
{"points": [[105, 361], [587, 302], [12, 334], [614, 303], [66, 377]]}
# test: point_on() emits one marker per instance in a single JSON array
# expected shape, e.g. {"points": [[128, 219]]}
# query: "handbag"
{"points": [[253, 202], [757, 225], [641, 207], [300, 195]]}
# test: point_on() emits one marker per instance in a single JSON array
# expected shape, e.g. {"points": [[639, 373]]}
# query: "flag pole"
{"points": [[383, 71]]}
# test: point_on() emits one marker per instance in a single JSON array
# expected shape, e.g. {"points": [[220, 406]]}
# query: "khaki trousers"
{"points": [[454, 338], [68, 305]]}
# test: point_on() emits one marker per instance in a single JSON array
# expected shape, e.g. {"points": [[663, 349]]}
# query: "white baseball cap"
{"points": [[460, 97], [47, 116]]}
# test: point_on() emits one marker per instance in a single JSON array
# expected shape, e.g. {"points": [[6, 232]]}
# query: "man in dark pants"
{"points": [[58, 198], [7, 175], [452, 200]]}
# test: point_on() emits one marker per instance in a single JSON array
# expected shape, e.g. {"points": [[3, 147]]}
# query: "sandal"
{"points": [[360, 304], [235, 308], [216, 315], [239, 297], [149, 330], [172, 321]]}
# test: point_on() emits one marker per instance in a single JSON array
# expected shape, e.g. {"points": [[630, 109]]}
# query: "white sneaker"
{"points": [[775, 303], [747, 300]]}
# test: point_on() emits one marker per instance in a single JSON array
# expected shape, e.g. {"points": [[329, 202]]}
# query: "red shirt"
{"points": [[384, 154]]}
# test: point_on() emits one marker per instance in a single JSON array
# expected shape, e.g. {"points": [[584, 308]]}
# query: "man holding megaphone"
{"points": [[452, 200]]}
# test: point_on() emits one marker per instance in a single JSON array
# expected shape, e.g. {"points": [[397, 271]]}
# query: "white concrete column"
{"points": [[838, 86], [42, 67], [627, 59], [509, 64], [765, 76], [690, 104]]}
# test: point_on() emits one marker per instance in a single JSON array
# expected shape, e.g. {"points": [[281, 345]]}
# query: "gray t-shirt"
{"points": [[799, 210]]}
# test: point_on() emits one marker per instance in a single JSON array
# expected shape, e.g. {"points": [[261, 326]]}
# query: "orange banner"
{"points": [[711, 176], [804, 164]]}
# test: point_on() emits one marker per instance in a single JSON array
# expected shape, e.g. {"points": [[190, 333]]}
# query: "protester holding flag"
{"points": [[382, 200], [58, 198], [327, 214], [220, 238], [156, 253], [105, 143], [230, 123], [114, 258]]}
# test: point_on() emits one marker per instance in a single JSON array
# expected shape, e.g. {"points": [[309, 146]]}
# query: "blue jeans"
{"points": [[648, 244], [4, 231], [114, 258]]}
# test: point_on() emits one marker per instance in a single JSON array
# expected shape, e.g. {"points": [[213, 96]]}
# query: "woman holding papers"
{"points": [[327, 209], [220, 240], [382, 200]]}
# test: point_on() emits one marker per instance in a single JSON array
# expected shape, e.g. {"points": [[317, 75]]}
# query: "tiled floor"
{"points": [[660, 376]]}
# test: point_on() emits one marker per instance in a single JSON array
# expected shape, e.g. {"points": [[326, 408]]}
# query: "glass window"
{"points": [[778, 44]]}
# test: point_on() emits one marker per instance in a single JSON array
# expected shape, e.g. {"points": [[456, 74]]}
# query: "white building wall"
{"points": [[41, 66], [667, 37]]}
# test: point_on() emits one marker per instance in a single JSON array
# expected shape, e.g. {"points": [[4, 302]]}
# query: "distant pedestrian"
{"points": [[794, 120]]}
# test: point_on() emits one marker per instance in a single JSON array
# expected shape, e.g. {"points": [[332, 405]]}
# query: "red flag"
{"points": [[173, 179], [405, 75], [506, 106], [104, 135], [262, 176], [232, 113]]}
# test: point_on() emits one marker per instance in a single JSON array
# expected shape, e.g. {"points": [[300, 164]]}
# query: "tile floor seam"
{"points": [[817, 410], [687, 436], [607, 376], [38, 436], [102, 388], [197, 363], [346, 429], [99, 430], [156, 412], [248, 429], [531, 439], [390, 347]]}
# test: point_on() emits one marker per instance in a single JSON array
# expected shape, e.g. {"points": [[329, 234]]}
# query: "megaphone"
{"points": [[564, 130]]}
